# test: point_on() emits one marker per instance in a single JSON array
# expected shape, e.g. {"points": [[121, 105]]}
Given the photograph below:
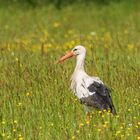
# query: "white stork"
{"points": [[91, 91]]}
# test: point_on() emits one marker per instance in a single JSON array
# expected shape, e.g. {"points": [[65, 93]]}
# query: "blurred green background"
{"points": [[35, 100], [61, 3]]}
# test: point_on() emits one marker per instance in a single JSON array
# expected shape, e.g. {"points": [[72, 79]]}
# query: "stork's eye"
{"points": [[75, 50]]}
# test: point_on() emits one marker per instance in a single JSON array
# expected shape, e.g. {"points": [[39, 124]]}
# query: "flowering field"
{"points": [[35, 100]]}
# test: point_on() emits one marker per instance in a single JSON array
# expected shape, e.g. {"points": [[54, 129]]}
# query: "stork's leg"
{"points": [[88, 117]]}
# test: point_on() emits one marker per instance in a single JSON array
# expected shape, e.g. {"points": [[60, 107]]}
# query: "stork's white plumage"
{"points": [[90, 90]]}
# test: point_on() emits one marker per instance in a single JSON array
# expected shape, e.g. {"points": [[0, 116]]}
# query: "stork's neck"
{"points": [[80, 62]]}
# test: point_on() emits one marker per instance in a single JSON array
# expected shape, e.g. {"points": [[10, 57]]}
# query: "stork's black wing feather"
{"points": [[101, 98], [99, 88]]}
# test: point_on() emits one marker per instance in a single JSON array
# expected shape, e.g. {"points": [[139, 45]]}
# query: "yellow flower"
{"points": [[99, 130], [19, 135], [121, 127], [128, 129], [81, 124], [93, 33], [105, 126], [3, 122], [73, 137], [138, 137], [106, 122], [15, 121], [19, 104], [56, 24], [78, 131], [27, 94], [8, 48], [100, 112], [130, 46], [3, 134], [138, 123], [103, 116], [16, 59], [118, 132], [134, 117], [123, 123], [136, 126], [87, 122], [126, 31], [14, 130], [51, 124], [109, 111]]}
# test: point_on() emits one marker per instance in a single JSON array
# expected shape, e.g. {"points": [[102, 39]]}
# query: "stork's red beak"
{"points": [[63, 58]]}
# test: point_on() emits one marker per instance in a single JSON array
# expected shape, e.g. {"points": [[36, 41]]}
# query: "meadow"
{"points": [[36, 102]]}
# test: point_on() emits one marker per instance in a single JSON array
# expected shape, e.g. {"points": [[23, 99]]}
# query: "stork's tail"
{"points": [[113, 110]]}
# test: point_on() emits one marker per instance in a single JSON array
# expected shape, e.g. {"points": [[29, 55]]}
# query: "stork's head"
{"points": [[76, 51]]}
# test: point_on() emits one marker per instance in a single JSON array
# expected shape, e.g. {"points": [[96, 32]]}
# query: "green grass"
{"points": [[36, 102]]}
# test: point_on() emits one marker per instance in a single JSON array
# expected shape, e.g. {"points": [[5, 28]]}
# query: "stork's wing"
{"points": [[99, 88], [100, 98]]}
